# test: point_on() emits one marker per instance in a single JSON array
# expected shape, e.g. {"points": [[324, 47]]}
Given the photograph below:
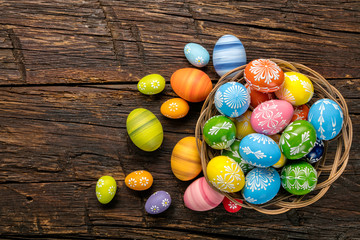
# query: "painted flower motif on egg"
{"points": [[175, 108], [230, 206], [139, 180], [158, 202], [219, 132], [233, 153], [317, 152], [243, 125], [105, 189], [151, 84], [196, 54]]}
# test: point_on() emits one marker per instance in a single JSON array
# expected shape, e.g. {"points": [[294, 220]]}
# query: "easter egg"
{"points": [[151, 84], [271, 117], [175, 108], [158, 202], [297, 89], [262, 185], [297, 139], [257, 97], [139, 180], [282, 159], [317, 152], [105, 189], [298, 177], [259, 150], [233, 153], [232, 99], [144, 129], [196, 54], [219, 132], [243, 125], [327, 118], [229, 53], [300, 113], [264, 75], [199, 196], [185, 159], [191, 84], [225, 174], [230, 206]]}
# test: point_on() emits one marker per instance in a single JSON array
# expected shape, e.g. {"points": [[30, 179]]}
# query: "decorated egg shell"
{"points": [[257, 97], [219, 132], [230, 206], [298, 177], [196, 54], [175, 108], [259, 150], [271, 117], [264, 75], [191, 84], [185, 159], [139, 180], [300, 113], [327, 118], [283, 159], [297, 89], [105, 189], [144, 129], [232, 99], [297, 139], [158, 202], [151, 84], [229, 53], [243, 125], [262, 185], [317, 152], [225, 174], [233, 153], [199, 196]]}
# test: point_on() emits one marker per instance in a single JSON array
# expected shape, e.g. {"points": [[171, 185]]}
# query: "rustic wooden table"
{"points": [[68, 74]]}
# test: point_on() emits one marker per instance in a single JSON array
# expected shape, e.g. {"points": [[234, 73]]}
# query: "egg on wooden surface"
{"points": [[139, 180], [243, 125], [151, 84], [199, 196], [175, 108], [233, 152], [297, 89], [259, 150], [191, 84], [300, 113], [228, 53], [196, 54], [272, 116], [232, 99], [219, 132], [105, 189], [158, 202], [327, 117], [185, 159], [282, 160], [257, 97], [262, 185], [317, 152], [144, 129], [230, 206]]}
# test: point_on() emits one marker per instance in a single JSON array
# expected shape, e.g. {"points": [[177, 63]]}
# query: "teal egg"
{"points": [[196, 54]]}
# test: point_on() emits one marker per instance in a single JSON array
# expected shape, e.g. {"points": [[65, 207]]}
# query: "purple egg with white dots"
{"points": [[317, 152], [158, 202]]}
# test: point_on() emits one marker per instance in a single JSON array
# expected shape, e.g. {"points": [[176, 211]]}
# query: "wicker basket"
{"points": [[328, 169]]}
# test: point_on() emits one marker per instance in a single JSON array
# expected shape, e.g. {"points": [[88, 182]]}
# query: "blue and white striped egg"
{"points": [[232, 99], [229, 53], [317, 152], [259, 150], [196, 54], [261, 185], [327, 118]]}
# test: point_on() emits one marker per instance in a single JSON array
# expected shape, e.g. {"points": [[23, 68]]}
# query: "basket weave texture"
{"points": [[328, 169]]}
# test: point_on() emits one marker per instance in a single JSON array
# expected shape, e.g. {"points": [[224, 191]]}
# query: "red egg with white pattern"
{"points": [[230, 206], [300, 113], [257, 97]]}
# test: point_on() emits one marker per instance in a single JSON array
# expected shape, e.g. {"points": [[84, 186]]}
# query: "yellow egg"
{"points": [[139, 180], [282, 159], [297, 89], [225, 174], [174, 108], [243, 126], [105, 189]]}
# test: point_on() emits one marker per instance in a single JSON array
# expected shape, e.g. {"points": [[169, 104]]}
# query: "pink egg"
{"points": [[199, 196], [271, 117]]}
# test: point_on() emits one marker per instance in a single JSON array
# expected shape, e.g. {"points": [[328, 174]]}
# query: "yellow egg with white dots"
{"points": [[175, 108]]}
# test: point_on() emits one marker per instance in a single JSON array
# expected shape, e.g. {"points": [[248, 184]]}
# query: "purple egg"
{"points": [[158, 202], [316, 153]]}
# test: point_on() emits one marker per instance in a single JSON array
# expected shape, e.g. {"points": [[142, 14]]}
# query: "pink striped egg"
{"points": [[199, 196]]}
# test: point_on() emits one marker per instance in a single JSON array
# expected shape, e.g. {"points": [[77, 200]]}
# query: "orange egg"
{"points": [[191, 84], [139, 180], [174, 108]]}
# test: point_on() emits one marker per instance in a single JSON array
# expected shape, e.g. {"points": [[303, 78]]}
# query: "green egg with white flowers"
{"points": [[105, 189]]}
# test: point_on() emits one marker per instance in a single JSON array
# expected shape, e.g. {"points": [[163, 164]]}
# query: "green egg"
{"points": [[151, 84], [219, 132], [105, 189], [233, 152]]}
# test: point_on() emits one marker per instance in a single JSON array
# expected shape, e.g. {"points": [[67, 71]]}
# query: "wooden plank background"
{"points": [[68, 74]]}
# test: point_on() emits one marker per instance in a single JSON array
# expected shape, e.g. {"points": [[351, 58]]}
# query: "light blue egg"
{"points": [[259, 150], [261, 185], [196, 54], [232, 99], [327, 118], [229, 53]]}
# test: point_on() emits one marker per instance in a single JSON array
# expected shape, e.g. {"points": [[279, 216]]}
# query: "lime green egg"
{"points": [[151, 84], [144, 129], [105, 189]]}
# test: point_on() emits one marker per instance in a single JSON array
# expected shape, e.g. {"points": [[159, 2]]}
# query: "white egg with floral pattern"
{"points": [[105, 189], [158, 202], [139, 180]]}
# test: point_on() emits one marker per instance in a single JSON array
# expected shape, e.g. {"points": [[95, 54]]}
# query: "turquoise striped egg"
{"points": [[196, 54], [229, 53]]}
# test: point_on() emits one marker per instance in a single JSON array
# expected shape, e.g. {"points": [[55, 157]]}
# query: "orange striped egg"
{"points": [[174, 108], [139, 180], [191, 84], [185, 159]]}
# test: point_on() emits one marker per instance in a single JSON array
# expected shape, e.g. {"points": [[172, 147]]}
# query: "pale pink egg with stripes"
{"points": [[199, 196]]}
